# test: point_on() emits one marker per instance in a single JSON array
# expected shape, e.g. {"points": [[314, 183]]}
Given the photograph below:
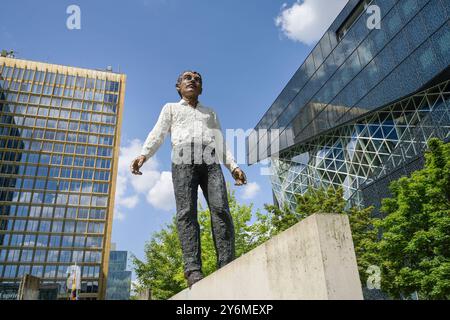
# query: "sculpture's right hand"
{"points": [[136, 164]]}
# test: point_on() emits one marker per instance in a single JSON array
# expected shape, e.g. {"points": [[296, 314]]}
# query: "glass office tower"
{"points": [[59, 145], [119, 279], [360, 110]]}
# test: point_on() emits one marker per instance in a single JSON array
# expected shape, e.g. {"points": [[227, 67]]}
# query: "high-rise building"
{"points": [[59, 146], [119, 279], [360, 109]]}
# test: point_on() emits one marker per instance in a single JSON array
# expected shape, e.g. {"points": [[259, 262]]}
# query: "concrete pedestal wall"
{"points": [[314, 259]]}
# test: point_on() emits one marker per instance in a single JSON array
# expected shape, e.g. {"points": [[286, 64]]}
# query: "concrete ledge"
{"points": [[314, 259]]}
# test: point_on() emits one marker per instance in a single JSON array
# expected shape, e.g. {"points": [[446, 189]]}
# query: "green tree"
{"points": [[411, 244], [162, 270], [414, 250], [313, 201], [327, 200], [244, 238]]}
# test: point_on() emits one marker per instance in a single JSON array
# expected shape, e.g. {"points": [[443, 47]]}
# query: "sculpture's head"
{"points": [[189, 84]]}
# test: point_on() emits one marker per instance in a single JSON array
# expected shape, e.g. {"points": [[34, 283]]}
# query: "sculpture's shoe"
{"points": [[193, 277]]}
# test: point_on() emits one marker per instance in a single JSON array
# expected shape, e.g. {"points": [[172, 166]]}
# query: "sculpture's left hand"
{"points": [[239, 177]]}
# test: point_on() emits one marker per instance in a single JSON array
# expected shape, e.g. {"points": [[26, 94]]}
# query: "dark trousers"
{"points": [[186, 179]]}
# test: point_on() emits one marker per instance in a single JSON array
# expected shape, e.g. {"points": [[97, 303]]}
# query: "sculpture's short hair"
{"points": [[180, 78]]}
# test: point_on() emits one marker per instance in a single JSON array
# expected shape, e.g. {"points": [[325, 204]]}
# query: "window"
{"points": [[35, 211], [69, 226], [80, 150], [80, 82], [65, 256], [52, 256], [76, 105], [26, 255], [96, 227], [83, 213], [90, 162], [78, 161], [71, 213], [76, 173], [62, 198], [49, 198], [57, 227], [23, 270], [67, 160], [88, 174], [33, 226], [19, 225], [67, 241], [16, 240], [44, 226], [79, 241], [81, 227], [94, 242], [59, 212], [28, 184], [97, 214], [70, 148], [37, 271], [30, 240], [50, 271], [10, 271], [58, 147], [56, 159], [2, 256], [60, 78], [353, 16], [55, 241], [13, 255], [54, 172], [85, 201], [75, 186], [47, 212], [42, 241]]}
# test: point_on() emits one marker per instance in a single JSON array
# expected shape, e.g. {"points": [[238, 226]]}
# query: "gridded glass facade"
{"points": [[364, 70], [59, 129], [359, 153], [119, 279], [364, 102]]}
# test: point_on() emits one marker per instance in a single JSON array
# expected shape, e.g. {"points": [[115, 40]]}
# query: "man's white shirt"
{"points": [[187, 124]]}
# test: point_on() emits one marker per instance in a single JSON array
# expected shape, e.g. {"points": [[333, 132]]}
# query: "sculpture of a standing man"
{"points": [[196, 140]]}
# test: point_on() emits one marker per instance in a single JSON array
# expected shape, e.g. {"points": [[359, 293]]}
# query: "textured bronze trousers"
{"points": [[186, 179]]}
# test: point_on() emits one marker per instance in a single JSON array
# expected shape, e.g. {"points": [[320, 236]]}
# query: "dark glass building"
{"points": [[119, 279], [59, 145], [360, 109]]}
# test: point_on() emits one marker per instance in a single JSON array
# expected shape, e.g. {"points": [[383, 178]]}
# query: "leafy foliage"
{"points": [[414, 250], [162, 270], [411, 244], [326, 201]]}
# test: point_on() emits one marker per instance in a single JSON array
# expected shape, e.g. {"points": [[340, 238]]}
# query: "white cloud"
{"points": [[129, 202], [120, 186], [129, 188], [142, 184], [118, 215], [161, 196], [250, 190], [131, 151], [306, 21]]}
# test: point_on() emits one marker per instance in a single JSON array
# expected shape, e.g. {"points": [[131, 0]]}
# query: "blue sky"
{"points": [[244, 53]]}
